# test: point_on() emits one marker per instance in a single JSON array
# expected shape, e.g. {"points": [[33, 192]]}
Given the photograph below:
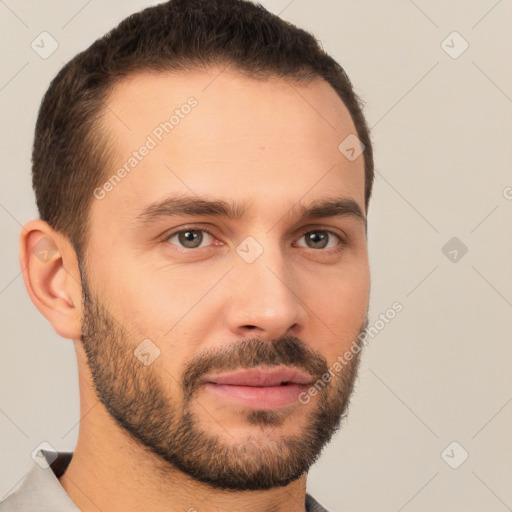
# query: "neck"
{"points": [[120, 477]]}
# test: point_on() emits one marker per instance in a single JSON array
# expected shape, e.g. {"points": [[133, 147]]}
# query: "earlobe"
{"points": [[51, 275]]}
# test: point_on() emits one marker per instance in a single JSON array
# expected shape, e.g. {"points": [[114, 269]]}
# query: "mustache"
{"points": [[287, 350]]}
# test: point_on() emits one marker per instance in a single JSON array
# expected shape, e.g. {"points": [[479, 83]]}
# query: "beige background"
{"points": [[439, 372]]}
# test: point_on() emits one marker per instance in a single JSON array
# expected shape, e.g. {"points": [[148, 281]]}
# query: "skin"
{"points": [[268, 145]]}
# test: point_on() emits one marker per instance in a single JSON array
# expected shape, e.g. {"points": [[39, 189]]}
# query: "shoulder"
{"points": [[312, 505]]}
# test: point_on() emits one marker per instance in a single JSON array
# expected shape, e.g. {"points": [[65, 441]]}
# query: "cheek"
{"points": [[174, 309], [341, 302], [143, 294]]}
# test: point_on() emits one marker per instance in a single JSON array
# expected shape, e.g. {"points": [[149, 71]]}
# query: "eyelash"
{"points": [[336, 248]]}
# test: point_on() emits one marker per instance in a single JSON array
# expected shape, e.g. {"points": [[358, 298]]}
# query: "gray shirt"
{"points": [[41, 491]]}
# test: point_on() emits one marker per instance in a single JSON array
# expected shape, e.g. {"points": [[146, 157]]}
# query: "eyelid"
{"points": [[322, 227], [169, 234]]}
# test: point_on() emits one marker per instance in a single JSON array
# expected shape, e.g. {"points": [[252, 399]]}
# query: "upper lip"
{"points": [[262, 377]]}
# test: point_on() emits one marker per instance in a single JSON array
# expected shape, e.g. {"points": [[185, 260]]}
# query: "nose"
{"points": [[265, 299]]}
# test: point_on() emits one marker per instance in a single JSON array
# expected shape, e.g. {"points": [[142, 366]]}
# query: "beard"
{"points": [[139, 399]]}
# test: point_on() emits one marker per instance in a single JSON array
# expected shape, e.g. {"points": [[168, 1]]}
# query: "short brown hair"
{"points": [[71, 154]]}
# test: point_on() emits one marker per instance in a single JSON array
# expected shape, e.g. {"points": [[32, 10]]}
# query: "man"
{"points": [[202, 174]]}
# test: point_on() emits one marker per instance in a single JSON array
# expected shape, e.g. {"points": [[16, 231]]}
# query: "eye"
{"points": [[320, 239], [197, 238], [189, 238]]}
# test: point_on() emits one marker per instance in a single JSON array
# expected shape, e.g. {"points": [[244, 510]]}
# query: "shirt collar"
{"points": [[41, 490]]}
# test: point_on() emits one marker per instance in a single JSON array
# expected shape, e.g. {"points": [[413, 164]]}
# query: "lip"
{"points": [[263, 377], [260, 389]]}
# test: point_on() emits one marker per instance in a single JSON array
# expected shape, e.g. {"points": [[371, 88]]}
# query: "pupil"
{"points": [[318, 240], [191, 238]]}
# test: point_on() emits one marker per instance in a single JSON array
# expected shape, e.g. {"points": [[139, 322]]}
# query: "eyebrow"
{"points": [[179, 206]]}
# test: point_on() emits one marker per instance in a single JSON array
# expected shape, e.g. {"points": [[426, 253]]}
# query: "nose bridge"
{"points": [[265, 296]]}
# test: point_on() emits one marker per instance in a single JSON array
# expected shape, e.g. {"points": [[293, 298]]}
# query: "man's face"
{"points": [[213, 294]]}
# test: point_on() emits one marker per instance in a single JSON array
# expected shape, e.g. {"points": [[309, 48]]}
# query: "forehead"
{"points": [[217, 132], [146, 96]]}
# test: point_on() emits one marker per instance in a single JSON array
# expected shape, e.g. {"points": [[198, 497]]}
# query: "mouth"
{"points": [[259, 388], [263, 377]]}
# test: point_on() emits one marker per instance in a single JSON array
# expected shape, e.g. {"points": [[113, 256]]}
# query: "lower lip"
{"points": [[255, 397]]}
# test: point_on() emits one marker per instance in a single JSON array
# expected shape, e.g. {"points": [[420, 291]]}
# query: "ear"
{"points": [[52, 277]]}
